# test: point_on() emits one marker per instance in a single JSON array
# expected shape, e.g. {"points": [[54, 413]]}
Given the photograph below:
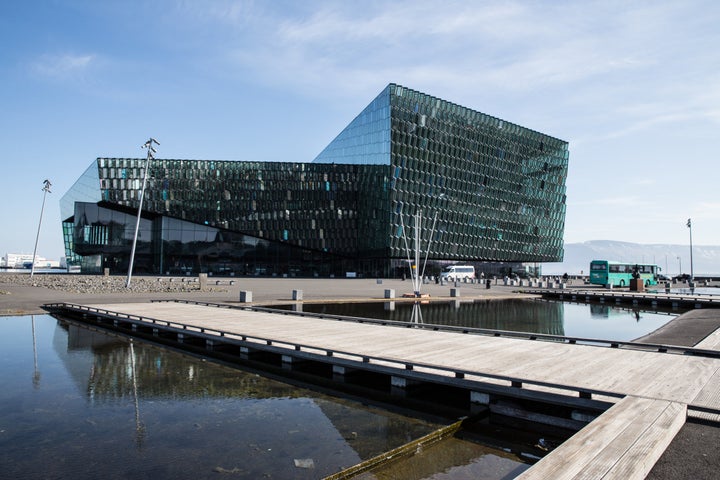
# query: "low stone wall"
{"points": [[107, 284]]}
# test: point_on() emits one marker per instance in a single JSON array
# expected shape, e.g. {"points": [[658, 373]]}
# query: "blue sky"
{"points": [[633, 86]]}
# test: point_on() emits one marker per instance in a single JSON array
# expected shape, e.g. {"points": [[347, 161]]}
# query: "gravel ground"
{"points": [[95, 284]]}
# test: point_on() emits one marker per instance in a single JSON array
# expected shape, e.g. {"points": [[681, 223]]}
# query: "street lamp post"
{"points": [[679, 265], [46, 189], [150, 151], [692, 274]]}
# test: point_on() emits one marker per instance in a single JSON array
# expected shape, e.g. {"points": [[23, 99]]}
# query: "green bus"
{"points": [[618, 274]]}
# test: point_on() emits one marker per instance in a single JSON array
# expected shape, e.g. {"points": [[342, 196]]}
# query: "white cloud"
{"points": [[63, 65], [504, 46]]}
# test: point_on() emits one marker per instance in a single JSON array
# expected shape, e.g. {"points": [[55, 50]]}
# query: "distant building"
{"points": [[493, 190], [24, 260]]}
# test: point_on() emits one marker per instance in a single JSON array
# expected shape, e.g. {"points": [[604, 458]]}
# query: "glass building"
{"points": [[484, 190]]}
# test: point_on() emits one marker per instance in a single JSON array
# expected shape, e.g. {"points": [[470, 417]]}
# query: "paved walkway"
{"points": [[23, 299], [581, 368]]}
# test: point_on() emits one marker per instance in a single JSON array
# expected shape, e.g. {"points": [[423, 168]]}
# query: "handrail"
{"points": [[713, 299], [650, 347], [594, 342], [339, 356]]}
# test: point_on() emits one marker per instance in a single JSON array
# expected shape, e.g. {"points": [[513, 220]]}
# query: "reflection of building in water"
{"points": [[607, 311], [513, 315], [102, 368]]}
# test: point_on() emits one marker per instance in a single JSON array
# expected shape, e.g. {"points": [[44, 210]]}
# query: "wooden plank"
{"points": [[711, 342], [570, 458], [676, 378], [581, 367], [639, 460], [709, 395], [634, 451]]}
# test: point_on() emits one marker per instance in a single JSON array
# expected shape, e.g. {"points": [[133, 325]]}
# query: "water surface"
{"points": [[78, 403], [598, 321]]}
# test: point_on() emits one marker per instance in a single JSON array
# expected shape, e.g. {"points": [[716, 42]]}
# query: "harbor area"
{"points": [[682, 385]]}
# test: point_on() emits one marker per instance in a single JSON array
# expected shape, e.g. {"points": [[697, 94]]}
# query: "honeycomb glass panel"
{"points": [[497, 188]]}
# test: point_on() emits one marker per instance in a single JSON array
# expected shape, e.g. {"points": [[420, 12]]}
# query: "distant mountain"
{"points": [[706, 259]]}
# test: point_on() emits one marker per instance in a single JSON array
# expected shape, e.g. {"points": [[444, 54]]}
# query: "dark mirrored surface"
{"points": [[598, 321], [78, 403]]}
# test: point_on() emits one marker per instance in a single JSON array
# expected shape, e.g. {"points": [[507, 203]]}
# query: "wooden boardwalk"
{"points": [[652, 298], [623, 443], [676, 378], [657, 382]]}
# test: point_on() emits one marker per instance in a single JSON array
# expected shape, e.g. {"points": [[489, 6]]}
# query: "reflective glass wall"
{"points": [[307, 205], [102, 238], [485, 190], [498, 189]]}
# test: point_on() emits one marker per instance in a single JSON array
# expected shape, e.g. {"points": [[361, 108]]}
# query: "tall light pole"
{"points": [[46, 189], [692, 275], [150, 151], [680, 265]]}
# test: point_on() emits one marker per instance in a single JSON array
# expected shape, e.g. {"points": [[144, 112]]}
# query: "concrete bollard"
{"points": [[480, 397], [389, 293], [245, 296], [297, 294], [202, 277]]}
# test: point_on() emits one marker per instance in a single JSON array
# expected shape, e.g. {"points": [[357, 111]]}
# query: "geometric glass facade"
{"points": [[498, 188], [495, 191]]}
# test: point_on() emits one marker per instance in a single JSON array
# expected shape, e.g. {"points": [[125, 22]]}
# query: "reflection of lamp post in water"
{"points": [[150, 151], [46, 189], [139, 427], [36, 372], [416, 316]]}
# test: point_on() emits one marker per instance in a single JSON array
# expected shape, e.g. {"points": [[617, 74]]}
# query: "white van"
{"points": [[458, 272]]}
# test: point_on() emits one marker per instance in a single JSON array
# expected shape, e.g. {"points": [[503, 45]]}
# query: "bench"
{"points": [[622, 443]]}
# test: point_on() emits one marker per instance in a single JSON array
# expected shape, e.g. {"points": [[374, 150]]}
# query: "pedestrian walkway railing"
{"points": [[650, 347]]}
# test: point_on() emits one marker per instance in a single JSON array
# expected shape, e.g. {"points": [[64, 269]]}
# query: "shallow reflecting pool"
{"points": [[78, 403], [598, 321]]}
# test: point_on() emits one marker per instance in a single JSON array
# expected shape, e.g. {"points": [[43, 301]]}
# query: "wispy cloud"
{"points": [[504, 45], [63, 66]]}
